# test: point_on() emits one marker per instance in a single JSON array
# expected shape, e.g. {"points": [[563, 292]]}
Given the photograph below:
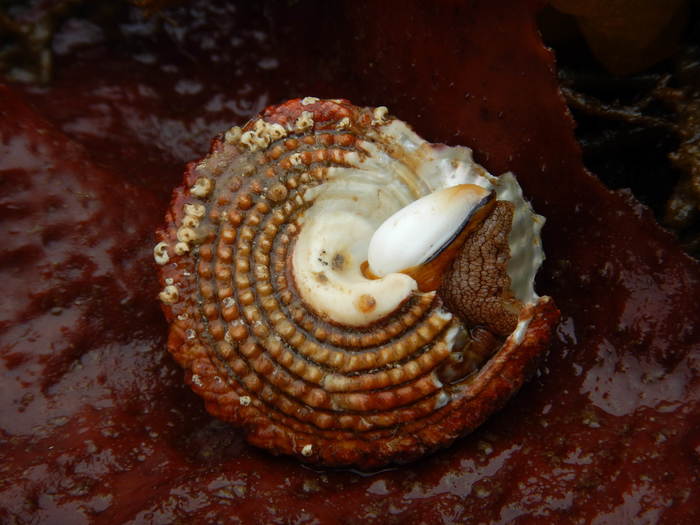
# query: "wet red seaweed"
{"points": [[95, 423]]}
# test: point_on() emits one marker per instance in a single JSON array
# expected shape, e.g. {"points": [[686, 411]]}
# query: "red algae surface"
{"points": [[96, 423]]}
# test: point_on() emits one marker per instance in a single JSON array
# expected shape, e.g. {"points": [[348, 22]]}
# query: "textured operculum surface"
{"points": [[257, 353], [478, 285]]}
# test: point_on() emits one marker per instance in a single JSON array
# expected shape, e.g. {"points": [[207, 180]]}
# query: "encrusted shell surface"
{"points": [[283, 336]]}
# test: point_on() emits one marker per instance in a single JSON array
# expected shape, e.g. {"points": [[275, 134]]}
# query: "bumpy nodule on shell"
{"points": [[287, 330]]}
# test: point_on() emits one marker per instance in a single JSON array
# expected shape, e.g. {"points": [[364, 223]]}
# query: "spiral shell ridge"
{"points": [[269, 346]]}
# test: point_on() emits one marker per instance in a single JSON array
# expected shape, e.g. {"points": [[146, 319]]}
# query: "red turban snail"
{"points": [[346, 292]]}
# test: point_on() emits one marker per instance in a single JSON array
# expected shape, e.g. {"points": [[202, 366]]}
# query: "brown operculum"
{"points": [[476, 288]]}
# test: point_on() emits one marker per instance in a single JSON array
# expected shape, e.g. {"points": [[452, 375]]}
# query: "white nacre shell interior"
{"points": [[397, 168]]}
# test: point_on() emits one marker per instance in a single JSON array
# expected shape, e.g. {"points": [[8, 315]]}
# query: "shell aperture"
{"points": [[284, 335]]}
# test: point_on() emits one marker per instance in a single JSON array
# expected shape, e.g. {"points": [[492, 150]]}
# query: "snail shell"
{"points": [[344, 291]]}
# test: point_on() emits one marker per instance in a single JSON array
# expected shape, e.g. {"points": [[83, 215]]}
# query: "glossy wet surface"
{"points": [[96, 424]]}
